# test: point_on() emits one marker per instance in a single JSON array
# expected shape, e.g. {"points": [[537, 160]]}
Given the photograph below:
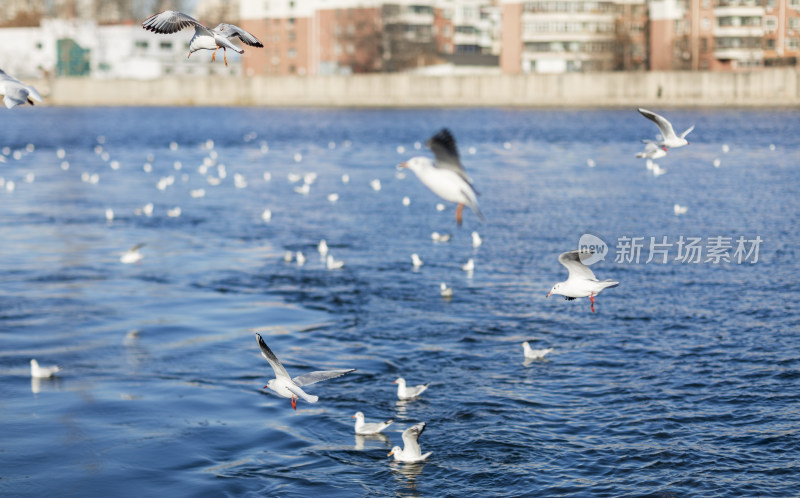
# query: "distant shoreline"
{"points": [[769, 88]]}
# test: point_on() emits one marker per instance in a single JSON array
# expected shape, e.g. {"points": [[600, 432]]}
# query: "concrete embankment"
{"points": [[769, 87]]}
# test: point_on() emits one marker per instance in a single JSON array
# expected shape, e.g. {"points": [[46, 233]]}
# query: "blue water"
{"points": [[684, 382]]}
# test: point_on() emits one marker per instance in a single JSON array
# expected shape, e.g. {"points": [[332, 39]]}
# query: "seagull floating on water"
{"points": [[440, 237], [288, 387], [679, 210], [404, 392], [445, 176], [476, 239], [671, 140], [365, 428], [534, 354], [132, 255], [411, 452], [40, 372], [445, 291], [171, 21], [333, 264], [469, 265], [416, 261], [581, 281], [16, 92], [322, 247]]}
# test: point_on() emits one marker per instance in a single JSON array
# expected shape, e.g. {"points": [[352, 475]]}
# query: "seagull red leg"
{"points": [[225, 55], [459, 211], [214, 55], [591, 298], [294, 403]]}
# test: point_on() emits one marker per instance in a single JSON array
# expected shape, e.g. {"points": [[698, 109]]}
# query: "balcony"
{"points": [[739, 11], [739, 54], [738, 31]]}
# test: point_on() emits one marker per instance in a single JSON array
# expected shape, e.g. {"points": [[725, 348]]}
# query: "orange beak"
{"points": [[394, 382], [353, 416], [548, 294], [402, 165], [390, 453]]}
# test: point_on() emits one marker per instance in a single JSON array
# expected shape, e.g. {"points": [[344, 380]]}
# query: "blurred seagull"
{"points": [[581, 281], [445, 291], [446, 176], [39, 372], [333, 264], [404, 393], [132, 255], [171, 21], [411, 452], [671, 140], [16, 92], [534, 354], [679, 210], [322, 247], [476, 239], [651, 151], [416, 261], [369, 427], [288, 387], [469, 265]]}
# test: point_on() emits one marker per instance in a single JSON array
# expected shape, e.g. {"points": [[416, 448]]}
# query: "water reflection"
{"points": [[406, 474], [362, 439], [48, 384]]}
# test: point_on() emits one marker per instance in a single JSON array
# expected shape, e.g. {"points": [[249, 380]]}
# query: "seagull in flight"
{"points": [[288, 387], [132, 255], [411, 452], [446, 176], [171, 21], [581, 281], [671, 140], [16, 92]]}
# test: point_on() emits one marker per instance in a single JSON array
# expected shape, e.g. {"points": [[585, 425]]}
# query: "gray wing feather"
{"points": [[271, 358], [572, 262], [445, 151], [231, 31], [314, 377], [689, 130], [662, 123], [411, 436], [170, 21]]}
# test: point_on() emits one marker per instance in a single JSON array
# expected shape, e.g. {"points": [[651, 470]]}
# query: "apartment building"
{"points": [[555, 36]]}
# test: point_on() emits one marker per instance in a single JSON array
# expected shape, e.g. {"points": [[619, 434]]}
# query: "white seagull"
{"points": [[469, 265], [16, 92], [446, 176], [365, 428], [39, 372], [171, 21], [416, 261], [445, 291], [132, 255], [411, 452], [333, 264], [404, 392], [534, 354], [651, 151], [581, 281], [288, 387], [476, 239], [322, 247], [671, 140]]}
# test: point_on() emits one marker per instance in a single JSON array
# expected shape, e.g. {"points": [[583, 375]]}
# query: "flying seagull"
{"points": [[581, 281], [288, 387], [16, 92], [171, 21], [446, 176], [671, 140], [411, 452]]}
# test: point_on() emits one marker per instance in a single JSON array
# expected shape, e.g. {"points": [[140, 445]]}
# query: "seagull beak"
{"points": [[548, 294], [353, 416], [402, 165], [394, 382], [664, 148], [266, 387], [391, 453]]}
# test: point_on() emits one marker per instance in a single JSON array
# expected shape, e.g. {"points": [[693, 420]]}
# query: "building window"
{"points": [[292, 53], [291, 35], [165, 45], [141, 44], [770, 23], [706, 24], [794, 22], [292, 69]]}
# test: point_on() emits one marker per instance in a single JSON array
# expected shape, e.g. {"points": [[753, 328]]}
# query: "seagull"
{"points": [[288, 387], [333, 264], [132, 255], [445, 291], [469, 265], [671, 140], [171, 21], [322, 247], [446, 176], [476, 239], [371, 427], [651, 151], [416, 261], [679, 210], [581, 281], [39, 372], [16, 92], [411, 453], [301, 258], [534, 354], [404, 393], [440, 237]]}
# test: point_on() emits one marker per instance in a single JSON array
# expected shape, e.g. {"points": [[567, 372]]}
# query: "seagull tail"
{"points": [[609, 283]]}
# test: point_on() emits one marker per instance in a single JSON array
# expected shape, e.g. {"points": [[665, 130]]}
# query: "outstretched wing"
{"points": [[231, 31], [689, 130], [171, 21], [267, 353], [572, 262], [662, 123], [445, 151], [410, 438], [314, 377]]}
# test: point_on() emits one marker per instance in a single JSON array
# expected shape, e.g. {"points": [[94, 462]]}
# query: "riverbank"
{"points": [[765, 88]]}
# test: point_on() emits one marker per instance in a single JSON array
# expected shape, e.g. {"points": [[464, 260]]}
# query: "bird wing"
{"points": [[571, 260], [689, 130], [267, 353], [445, 151], [231, 31], [170, 21], [314, 377], [663, 125], [410, 438], [16, 92], [137, 247]]}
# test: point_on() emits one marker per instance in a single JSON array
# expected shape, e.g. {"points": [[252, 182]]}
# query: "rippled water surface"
{"points": [[684, 382]]}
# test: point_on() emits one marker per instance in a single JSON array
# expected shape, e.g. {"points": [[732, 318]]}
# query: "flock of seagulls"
{"points": [[444, 175]]}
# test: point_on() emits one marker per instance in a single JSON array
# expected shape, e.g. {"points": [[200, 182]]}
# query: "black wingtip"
{"points": [[444, 137]]}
